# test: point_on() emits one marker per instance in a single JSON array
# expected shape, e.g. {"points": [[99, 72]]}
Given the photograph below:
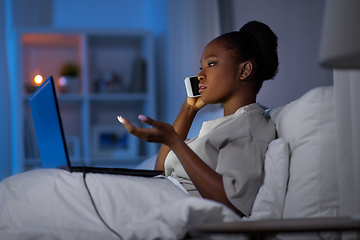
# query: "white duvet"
{"points": [[54, 204]]}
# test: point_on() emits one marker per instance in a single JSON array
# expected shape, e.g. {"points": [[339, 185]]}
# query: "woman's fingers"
{"points": [[147, 120], [120, 118], [195, 102], [126, 124], [155, 134], [136, 131]]}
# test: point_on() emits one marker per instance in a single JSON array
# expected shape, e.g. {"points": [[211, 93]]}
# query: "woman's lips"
{"points": [[201, 87]]}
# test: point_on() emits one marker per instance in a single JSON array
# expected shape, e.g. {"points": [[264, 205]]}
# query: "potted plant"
{"points": [[69, 80]]}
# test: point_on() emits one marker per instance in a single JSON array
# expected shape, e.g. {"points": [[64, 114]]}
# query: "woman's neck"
{"points": [[232, 108]]}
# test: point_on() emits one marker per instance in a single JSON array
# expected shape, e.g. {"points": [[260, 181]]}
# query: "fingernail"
{"points": [[142, 117], [120, 118]]}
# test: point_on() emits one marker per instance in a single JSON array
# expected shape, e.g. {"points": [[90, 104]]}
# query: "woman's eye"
{"points": [[210, 64]]}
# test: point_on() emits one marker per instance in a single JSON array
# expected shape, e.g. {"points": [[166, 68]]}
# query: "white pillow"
{"points": [[269, 202], [308, 126]]}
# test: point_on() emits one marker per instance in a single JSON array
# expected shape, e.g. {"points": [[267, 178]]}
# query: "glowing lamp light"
{"points": [[38, 79]]}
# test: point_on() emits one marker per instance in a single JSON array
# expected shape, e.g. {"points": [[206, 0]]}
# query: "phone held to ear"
{"points": [[192, 86]]}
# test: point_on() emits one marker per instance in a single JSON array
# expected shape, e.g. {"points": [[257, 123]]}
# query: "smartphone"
{"points": [[192, 86]]}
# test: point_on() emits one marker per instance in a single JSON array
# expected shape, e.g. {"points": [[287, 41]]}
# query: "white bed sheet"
{"points": [[54, 204]]}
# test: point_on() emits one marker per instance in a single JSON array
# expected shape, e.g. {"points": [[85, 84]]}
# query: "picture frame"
{"points": [[113, 142]]}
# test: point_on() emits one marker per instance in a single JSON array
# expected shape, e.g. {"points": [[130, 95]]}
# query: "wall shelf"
{"points": [[116, 77]]}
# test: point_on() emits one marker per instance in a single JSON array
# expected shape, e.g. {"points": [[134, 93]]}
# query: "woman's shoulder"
{"points": [[248, 121], [261, 127]]}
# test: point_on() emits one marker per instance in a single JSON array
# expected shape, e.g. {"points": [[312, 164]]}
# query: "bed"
{"points": [[300, 182]]}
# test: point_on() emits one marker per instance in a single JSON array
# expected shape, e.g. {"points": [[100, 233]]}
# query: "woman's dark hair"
{"points": [[257, 43]]}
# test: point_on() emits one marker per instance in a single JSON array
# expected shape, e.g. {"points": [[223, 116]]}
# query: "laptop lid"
{"points": [[51, 139], [48, 126]]}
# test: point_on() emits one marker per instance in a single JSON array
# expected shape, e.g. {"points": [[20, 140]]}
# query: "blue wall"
{"points": [[135, 14], [296, 22], [115, 14]]}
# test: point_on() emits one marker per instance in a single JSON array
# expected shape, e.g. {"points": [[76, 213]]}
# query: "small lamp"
{"points": [[340, 43], [38, 79]]}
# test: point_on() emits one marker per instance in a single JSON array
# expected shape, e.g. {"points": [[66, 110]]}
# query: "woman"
{"points": [[225, 162]]}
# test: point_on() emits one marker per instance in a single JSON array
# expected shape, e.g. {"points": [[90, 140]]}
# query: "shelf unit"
{"points": [[116, 77]]}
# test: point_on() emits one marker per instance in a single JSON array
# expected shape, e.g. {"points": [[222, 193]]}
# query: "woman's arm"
{"points": [[207, 181], [181, 126]]}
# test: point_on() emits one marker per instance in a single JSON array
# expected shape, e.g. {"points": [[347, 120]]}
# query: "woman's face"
{"points": [[219, 77]]}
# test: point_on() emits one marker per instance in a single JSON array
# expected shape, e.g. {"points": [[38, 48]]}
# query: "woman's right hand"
{"points": [[195, 102], [181, 126]]}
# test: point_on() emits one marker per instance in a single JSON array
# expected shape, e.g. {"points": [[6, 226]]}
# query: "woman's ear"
{"points": [[245, 70]]}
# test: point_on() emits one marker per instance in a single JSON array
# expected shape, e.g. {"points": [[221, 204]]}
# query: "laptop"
{"points": [[51, 139]]}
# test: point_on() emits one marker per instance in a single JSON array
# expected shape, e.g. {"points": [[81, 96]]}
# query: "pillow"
{"points": [[269, 202], [308, 126]]}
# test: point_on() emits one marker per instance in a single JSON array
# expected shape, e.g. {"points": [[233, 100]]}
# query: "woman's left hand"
{"points": [[159, 133]]}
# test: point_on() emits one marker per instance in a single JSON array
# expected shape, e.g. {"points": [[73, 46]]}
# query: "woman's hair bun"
{"points": [[265, 43]]}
